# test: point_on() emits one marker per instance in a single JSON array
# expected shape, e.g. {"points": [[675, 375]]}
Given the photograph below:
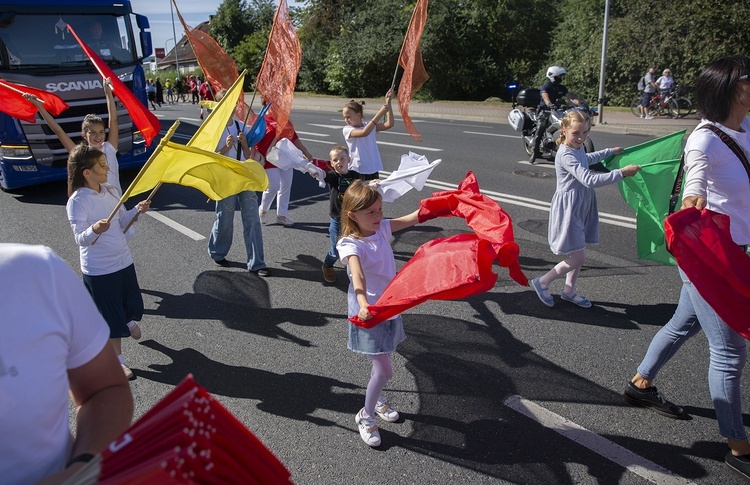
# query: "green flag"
{"points": [[649, 190]]}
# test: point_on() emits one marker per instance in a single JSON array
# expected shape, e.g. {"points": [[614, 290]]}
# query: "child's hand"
{"points": [[100, 226], [630, 170], [143, 206], [694, 201], [364, 314], [388, 96], [32, 99], [617, 150], [230, 141]]}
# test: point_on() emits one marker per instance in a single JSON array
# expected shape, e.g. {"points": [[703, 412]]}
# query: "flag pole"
{"points": [[265, 55], [150, 196], [18, 91], [138, 177]]}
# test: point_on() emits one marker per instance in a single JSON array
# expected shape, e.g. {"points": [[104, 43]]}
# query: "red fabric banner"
{"points": [[146, 122], [454, 267], [218, 66], [410, 59], [719, 269], [14, 104], [278, 74]]}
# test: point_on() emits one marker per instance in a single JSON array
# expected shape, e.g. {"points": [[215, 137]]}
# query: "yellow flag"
{"points": [[209, 132], [213, 174]]}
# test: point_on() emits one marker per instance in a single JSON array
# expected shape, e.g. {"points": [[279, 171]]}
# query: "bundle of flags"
{"points": [[187, 437], [454, 267]]}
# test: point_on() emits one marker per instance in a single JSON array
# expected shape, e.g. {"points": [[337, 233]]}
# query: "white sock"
{"points": [[121, 359], [131, 324]]}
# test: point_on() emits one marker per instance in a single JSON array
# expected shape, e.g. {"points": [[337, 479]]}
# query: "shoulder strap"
{"points": [[239, 147], [729, 141]]}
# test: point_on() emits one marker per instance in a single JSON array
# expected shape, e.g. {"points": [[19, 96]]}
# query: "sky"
{"points": [[193, 11]]}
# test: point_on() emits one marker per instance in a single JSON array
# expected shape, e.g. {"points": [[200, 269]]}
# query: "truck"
{"points": [[37, 50]]}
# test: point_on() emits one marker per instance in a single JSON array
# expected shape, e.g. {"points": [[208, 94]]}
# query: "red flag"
{"points": [[410, 59], [146, 122], [278, 74], [14, 104], [456, 267], [719, 269], [218, 66]]}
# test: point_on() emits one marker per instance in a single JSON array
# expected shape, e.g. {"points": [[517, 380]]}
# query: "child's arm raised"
{"points": [[373, 124], [359, 283], [388, 114], [405, 221], [114, 131], [56, 128]]}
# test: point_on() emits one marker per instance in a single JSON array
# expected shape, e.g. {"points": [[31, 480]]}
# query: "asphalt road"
{"points": [[495, 388]]}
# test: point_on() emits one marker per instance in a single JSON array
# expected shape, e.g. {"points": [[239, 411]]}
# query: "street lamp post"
{"points": [[603, 70], [166, 50], [174, 33]]}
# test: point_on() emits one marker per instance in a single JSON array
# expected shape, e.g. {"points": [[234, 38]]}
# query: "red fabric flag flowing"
{"points": [[410, 59], [14, 104], [718, 268], [454, 267], [278, 74], [218, 66], [146, 122]]}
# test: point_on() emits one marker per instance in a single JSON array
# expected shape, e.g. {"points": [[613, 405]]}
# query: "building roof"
{"points": [[183, 49]]}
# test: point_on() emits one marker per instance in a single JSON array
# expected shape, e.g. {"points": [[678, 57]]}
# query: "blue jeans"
{"points": [[220, 239], [334, 230], [727, 349]]}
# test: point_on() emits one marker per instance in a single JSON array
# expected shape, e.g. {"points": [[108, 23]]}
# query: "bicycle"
{"points": [[671, 103]]}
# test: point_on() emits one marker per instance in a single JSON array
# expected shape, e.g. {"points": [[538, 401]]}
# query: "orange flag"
{"points": [[218, 66], [410, 59], [146, 122], [278, 74]]}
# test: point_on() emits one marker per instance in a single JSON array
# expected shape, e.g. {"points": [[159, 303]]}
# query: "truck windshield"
{"points": [[29, 41]]}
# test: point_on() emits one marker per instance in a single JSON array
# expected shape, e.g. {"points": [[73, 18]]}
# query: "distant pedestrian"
{"points": [[106, 263], [151, 93], [159, 92], [649, 90], [574, 217], [365, 250], [338, 180], [206, 94], [360, 136]]}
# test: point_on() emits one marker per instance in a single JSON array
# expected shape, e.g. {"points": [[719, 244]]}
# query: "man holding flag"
{"points": [[234, 145]]}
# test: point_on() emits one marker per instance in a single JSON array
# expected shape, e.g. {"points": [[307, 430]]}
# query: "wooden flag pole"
{"points": [[138, 177], [11, 88], [148, 199]]}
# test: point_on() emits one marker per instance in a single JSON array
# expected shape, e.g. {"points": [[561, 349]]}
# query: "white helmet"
{"points": [[555, 72]]}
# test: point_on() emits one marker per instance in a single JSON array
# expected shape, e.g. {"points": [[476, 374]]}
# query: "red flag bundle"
{"points": [[146, 122], [278, 74], [187, 437], [454, 267], [218, 66], [14, 104], [410, 59], [719, 269]]}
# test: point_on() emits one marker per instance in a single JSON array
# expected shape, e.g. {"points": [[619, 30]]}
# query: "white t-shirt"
{"points": [[378, 264], [665, 82], [363, 151], [107, 252], [113, 176], [714, 172], [49, 324]]}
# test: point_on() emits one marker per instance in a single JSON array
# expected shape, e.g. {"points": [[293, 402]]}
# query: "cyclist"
{"points": [[552, 92], [649, 90], [665, 82]]}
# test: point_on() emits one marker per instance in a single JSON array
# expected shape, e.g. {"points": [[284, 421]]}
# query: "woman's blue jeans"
{"points": [[220, 239], [334, 230], [728, 353]]}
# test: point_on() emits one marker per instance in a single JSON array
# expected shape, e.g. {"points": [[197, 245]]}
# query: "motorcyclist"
{"points": [[552, 92]]}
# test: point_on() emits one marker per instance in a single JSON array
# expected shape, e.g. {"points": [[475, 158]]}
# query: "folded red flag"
{"points": [[454, 267], [146, 122], [719, 269], [14, 104]]}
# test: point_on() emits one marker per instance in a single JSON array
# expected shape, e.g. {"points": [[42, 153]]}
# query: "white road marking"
{"points": [[604, 217], [491, 134], [612, 451], [311, 134], [316, 140], [330, 127], [416, 148], [176, 226]]}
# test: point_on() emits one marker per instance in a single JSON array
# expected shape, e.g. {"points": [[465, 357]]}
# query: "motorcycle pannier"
{"points": [[529, 98], [519, 120]]}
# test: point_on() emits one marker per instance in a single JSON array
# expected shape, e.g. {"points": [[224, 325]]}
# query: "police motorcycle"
{"points": [[526, 113]]}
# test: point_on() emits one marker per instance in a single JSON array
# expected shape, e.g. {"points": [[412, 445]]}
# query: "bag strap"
{"points": [[239, 147], [729, 141]]}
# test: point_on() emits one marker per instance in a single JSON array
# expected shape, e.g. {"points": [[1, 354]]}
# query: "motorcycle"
{"points": [[526, 118]]}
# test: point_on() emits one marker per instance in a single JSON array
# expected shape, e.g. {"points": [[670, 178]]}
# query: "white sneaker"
{"points": [[641, 115], [368, 430], [286, 222], [385, 411], [263, 217], [649, 117]]}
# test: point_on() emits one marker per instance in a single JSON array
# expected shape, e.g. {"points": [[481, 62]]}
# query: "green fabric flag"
{"points": [[648, 192]]}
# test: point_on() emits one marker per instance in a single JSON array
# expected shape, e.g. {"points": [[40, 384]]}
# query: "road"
{"points": [[495, 388]]}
